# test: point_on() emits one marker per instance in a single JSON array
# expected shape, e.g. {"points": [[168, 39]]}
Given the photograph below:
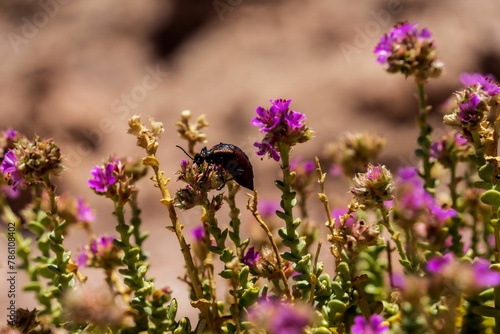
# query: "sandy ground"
{"points": [[75, 71]]}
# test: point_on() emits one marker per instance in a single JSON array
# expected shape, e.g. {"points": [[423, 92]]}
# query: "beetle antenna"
{"points": [[183, 150]]}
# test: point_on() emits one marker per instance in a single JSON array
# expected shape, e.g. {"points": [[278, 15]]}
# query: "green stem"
{"points": [[289, 234], [493, 150], [201, 303], [424, 140], [457, 246], [122, 227], [405, 262], [135, 221]]}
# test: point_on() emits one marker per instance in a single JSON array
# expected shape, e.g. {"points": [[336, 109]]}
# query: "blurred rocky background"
{"points": [[76, 70]]}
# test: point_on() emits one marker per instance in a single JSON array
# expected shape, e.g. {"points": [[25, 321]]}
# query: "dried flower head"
{"points": [[200, 180], [21, 321], [191, 132], [470, 110], [354, 151], [32, 161], [93, 306], [147, 138], [450, 149], [280, 125], [305, 175], [373, 187], [410, 51], [353, 236], [263, 263]]}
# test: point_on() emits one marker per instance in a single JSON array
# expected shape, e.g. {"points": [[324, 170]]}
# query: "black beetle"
{"points": [[230, 158]]}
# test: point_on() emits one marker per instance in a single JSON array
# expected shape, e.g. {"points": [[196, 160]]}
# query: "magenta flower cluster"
{"points": [[10, 170], [383, 50], [102, 178], [280, 318], [373, 325], [413, 199], [251, 257], [482, 276], [280, 125], [485, 82], [100, 246], [468, 112]]}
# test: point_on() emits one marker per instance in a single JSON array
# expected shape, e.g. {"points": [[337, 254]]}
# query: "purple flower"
{"points": [[384, 48], [307, 167], [487, 82], [459, 140], [485, 277], [335, 170], [294, 120], [102, 244], [442, 214], [437, 263], [337, 212], [374, 173], [280, 318], [184, 164], [372, 326], [267, 208], [9, 169], [437, 149], [267, 119], [413, 202], [468, 110], [82, 258], [287, 320], [251, 257], [267, 148], [84, 212], [280, 106], [198, 233], [102, 178], [11, 133], [10, 192], [281, 125]]}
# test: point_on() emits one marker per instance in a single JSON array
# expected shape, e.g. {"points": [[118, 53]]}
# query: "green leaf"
{"points": [[249, 297], [227, 274], [33, 286], [282, 215], [54, 269], [226, 255], [344, 271], [486, 171], [279, 184], [172, 309], [243, 276], [337, 306], [491, 197], [337, 289], [290, 257], [36, 227]]}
